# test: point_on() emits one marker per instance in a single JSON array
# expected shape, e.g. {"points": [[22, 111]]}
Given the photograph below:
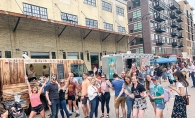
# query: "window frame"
{"points": [[91, 21], [67, 15], [106, 5], [121, 29], [119, 11], [90, 2], [34, 10], [108, 28]]}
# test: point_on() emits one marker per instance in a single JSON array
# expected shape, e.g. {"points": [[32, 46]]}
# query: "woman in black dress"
{"points": [[181, 90]]}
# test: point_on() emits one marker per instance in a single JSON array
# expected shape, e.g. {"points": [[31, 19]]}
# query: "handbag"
{"points": [[99, 96], [187, 97]]}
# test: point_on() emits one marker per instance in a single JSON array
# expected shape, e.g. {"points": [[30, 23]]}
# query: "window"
{"points": [[120, 11], [121, 29], [81, 55], [139, 50], [91, 23], [73, 55], [137, 15], [137, 27], [153, 50], [135, 3], [39, 55], [106, 6], [64, 55], [73, 19], [36, 11], [0, 54], [108, 26], [7, 54], [90, 2], [53, 54], [151, 24]]}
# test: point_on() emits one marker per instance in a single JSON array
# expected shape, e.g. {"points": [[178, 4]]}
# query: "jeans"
{"points": [[129, 102], [54, 108], [193, 78], [94, 107], [63, 108], [105, 99]]}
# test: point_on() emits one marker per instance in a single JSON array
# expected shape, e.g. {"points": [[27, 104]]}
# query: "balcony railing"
{"points": [[173, 6], [180, 27], [159, 6], [181, 45], [179, 11], [173, 15], [179, 19], [160, 29], [174, 24], [174, 44], [180, 35], [160, 41], [158, 17], [174, 34]]}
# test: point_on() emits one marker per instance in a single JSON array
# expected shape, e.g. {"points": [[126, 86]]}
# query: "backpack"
{"points": [[167, 95]]}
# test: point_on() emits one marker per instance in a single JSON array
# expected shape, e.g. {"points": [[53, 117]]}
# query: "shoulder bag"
{"points": [[99, 96]]}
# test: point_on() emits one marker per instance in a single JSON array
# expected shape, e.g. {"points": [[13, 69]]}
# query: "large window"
{"points": [[90, 2], [106, 6], [137, 27], [39, 55], [137, 15], [73, 55], [108, 26], [36, 11], [91, 23], [73, 19], [120, 11], [121, 29]]}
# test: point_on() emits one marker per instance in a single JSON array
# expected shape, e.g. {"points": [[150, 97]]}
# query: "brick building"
{"points": [[160, 23], [69, 29]]}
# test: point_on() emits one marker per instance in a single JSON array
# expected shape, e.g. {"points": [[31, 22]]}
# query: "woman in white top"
{"points": [[93, 98], [179, 108]]}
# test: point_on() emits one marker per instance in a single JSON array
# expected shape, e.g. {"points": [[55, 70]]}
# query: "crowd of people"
{"points": [[131, 89]]}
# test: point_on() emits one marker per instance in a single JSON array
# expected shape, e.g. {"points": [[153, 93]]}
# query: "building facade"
{"points": [[159, 23], [188, 25], [63, 29]]}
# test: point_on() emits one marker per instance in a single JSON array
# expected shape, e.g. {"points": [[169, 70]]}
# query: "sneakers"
{"points": [[77, 115]]}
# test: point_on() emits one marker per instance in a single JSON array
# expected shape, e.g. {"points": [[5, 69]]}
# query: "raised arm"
{"points": [[66, 84], [43, 85], [29, 88]]}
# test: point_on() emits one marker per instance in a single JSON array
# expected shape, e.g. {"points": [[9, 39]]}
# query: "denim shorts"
{"points": [[160, 106]]}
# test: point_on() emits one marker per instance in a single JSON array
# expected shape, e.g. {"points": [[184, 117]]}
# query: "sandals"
{"points": [[107, 116], [102, 116]]}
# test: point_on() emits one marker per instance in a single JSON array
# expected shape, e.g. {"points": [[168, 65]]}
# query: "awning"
{"points": [[162, 60], [19, 15]]}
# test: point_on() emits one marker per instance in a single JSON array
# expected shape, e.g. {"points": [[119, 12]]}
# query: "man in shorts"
{"points": [[84, 96], [117, 85]]}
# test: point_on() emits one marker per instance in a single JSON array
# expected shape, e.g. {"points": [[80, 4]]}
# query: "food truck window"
{"points": [[77, 70], [129, 63], [39, 68]]}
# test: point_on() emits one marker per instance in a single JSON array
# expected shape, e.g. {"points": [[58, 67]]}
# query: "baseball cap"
{"points": [[155, 78]]}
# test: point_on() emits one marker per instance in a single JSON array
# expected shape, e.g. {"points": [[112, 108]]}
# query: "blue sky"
{"points": [[192, 4]]}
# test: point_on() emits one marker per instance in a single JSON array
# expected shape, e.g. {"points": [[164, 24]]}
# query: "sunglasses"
{"points": [[61, 82]]}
